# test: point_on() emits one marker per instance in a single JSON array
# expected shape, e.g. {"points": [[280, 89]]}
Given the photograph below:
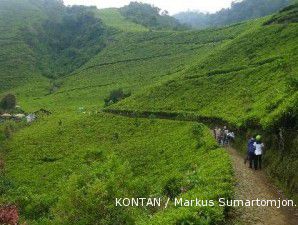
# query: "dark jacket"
{"points": [[250, 146]]}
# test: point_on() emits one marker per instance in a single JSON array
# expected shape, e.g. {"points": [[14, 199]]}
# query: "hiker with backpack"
{"points": [[250, 152], [259, 151]]}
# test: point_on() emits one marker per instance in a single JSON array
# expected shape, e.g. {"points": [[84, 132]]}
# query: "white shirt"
{"points": [[259, 148]]}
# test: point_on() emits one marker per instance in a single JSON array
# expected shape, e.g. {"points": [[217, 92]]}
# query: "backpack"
{"points": [[250, 146]]}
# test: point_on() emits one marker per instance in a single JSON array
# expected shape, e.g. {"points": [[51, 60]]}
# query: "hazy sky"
{"points": [[173, 6]]}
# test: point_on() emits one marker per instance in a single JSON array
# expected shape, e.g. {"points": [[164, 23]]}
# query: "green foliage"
{"points": [[198, 132], [172, 188], [116, 96], [292, 83], [240, 80], [287, 15], [113, 18], [57, 44], [89, 196], [70, 172], [8, 102], [149, 16], [91, 169]]}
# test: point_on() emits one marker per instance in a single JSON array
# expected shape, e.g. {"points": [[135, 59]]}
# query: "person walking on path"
{"points": [[231, 137], [251, 151], [218, 135], [225, 135], [259, 150]]}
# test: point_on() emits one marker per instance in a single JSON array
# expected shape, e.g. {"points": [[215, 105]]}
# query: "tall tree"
{"points": [[8, 102]]}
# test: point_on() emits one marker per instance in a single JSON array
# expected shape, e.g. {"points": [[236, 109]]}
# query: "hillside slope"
{"points": [[113, 18], [17, 60], [71, 173], [252, 77], [250, 82], [68, 168]]}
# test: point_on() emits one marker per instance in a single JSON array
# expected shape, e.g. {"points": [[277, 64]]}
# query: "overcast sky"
{"points": [[173, 6]]}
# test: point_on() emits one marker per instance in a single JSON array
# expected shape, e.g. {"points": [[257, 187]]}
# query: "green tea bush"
{"points": [[116, 96], [93, 169], [172, 188], [89, 196], [198, 133], [8, 102]]}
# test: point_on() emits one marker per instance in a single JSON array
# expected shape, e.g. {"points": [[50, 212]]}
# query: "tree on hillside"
{"points": [[8, 102], [149, 16], [116, 96]]}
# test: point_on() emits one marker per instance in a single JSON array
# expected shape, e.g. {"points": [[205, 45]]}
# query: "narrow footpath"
{"points": [[251, 184]]}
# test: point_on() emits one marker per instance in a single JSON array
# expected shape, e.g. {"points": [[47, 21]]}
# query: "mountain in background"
{"points": [[67, 167], [239, 11]]}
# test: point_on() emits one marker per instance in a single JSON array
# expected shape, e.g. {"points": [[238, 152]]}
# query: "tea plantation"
{"points": [[68, 167]]}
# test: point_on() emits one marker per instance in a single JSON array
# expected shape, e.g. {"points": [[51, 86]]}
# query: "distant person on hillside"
{"points": [[214, 132], [225, 135], [259, 150], [217, 134], [231, 137], [221, 136], [250, 151]]}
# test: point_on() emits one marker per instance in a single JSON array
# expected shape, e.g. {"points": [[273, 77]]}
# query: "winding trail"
{"points": [[251, 184]]}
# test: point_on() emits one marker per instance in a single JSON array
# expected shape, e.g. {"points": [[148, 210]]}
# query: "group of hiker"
{"points": [[223, 136], [255, 146], [255, 150]]}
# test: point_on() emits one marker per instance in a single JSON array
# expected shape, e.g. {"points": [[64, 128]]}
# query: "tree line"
{"points": [[239, 11], [150, 16]]}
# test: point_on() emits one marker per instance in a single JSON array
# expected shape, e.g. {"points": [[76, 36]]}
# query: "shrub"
{"points": [[195, 219], [8, 102], [39, 206], [172, 188], [93, 156], [7, 131], [116, 96], [198, 132], [88, 197], [292, 83]]}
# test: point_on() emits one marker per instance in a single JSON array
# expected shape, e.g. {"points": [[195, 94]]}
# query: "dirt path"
{"points": [[251, 184]]}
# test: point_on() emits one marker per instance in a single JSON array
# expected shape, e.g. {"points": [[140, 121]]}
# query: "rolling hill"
{"points": [[67, 168]]}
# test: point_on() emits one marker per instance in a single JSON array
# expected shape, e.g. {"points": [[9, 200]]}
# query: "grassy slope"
{"points": [[250, 80], [140, 62], [52, 158], [134, 61], [244, 78], [17, 60], [112, 17], [152, 151]]}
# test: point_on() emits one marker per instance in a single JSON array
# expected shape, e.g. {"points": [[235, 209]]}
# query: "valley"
{"points": [[131, 107]]}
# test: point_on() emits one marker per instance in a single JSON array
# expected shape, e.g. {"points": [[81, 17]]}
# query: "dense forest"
{"points": [[150, 16], [239, 11], [56, 42]]}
